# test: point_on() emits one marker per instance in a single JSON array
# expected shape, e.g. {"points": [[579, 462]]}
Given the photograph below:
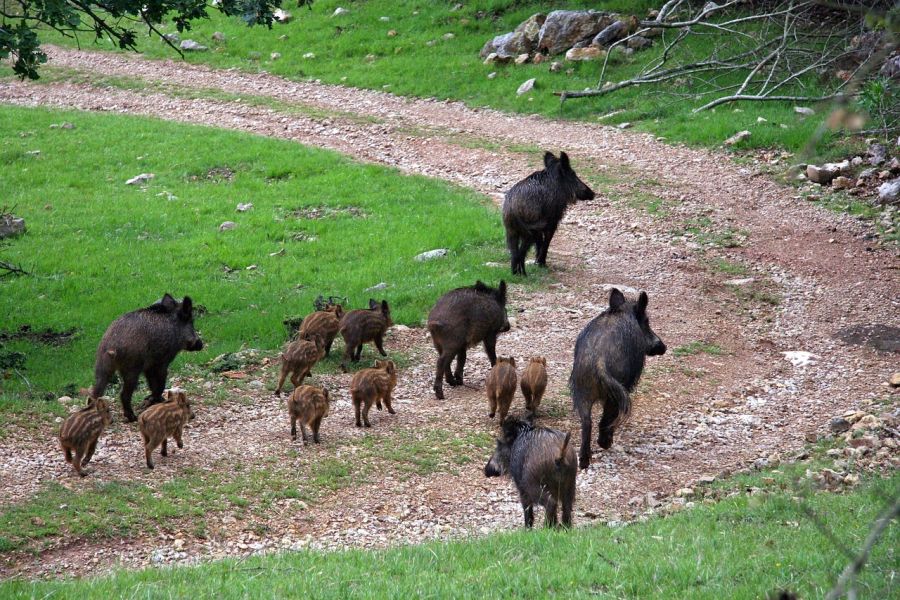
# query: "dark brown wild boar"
{"points": [[609, 358], [309, 405], [501, 386], [534, 382], [298, 359], [372, 386], [325, 323], [145, 341], [543, 466], [164, 420], [80, 431], [460, 319], [361, 326]]}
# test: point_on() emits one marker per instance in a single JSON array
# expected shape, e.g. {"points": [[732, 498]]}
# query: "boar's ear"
{"points": [[384, 307], [549, 159], [501, 293], [373, 304], [480, 287], [187, 309], [616, 299], [168, 302], [643, 300], [564, 161]]}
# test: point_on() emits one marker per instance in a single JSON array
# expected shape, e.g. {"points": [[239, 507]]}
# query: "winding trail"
{"points": [[814, 273]]}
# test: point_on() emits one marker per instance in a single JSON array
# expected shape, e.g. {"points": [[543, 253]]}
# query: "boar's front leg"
{"points": [[129, 384], [379, 343], [490, 344], [156, 380]]}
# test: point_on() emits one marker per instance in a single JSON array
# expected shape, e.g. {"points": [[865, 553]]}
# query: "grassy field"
{"points": [[753, 542], [435, 53], [320, 224]]}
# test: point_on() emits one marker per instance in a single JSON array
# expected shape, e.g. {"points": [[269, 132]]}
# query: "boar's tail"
{"points": [[562, 450], [616, 400]]}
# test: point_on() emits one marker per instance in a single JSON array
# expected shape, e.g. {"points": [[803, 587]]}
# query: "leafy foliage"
{"points": [[117, 20]]}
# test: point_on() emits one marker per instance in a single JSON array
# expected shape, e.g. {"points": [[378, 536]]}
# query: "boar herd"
{"points": [[609, 358]]}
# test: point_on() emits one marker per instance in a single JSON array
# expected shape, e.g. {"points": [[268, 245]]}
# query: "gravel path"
{"points": [[814, 273]]}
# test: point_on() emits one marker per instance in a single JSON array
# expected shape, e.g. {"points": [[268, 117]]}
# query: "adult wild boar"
{"points": [[460, 319], [145, 341], [533, 208], [609, 358]]}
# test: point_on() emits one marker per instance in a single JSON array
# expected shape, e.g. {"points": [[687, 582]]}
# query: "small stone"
{"points": [[282, 16], [839, 425], [803, 110], [521, 59], [895, 380], [584, 54], [370, 58], [432, 254], [800, 358], [556, 66], [448, 36], [192, 46], [227, 225], [526, 87], [638, 43], [254, 55], [492, 75], [143, 177], [761, 120], [625, 125], [392, 33], [275, 56], [256, 384], [377, 287], [244, 206], [539, 58], [340, 11], [867, 422], [811, 437], [172, 37], [384, 19], [737, 138], [684, 492], [742, 281], [889, 192], [309, 55], [706, 479], [841, 183], [856, 161], [218, 36]]}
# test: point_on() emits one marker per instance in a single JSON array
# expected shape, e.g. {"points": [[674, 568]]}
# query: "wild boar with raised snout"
{"points": [[609, 358], [533, 208], [145, 341]]}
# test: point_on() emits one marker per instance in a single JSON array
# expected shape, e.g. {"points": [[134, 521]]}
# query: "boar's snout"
{"points": [[657, 347], [584, 192], [194, 344], [491, 469], [506, 326]]}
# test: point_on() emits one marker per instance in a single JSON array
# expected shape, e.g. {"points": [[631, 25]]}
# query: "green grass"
{"points": [[118, 509], [418, 61], [97, 248], [743, 547], [698, 347]]}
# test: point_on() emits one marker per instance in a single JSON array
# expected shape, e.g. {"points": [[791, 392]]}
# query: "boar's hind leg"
{"points": [[164, 450], [76, 463], [550, 519], [460, 365], [584, 453], [177, 436], [528, 510], [567, 500], [129, 384], [443, 366]]}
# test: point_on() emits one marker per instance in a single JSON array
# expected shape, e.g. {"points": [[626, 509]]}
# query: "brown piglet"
{"points": [[361, 326], [80, 431], [501, 386], [164, 420], [534, 382], [372, 386], [298, 359], [325, 323], [309, 405]]}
